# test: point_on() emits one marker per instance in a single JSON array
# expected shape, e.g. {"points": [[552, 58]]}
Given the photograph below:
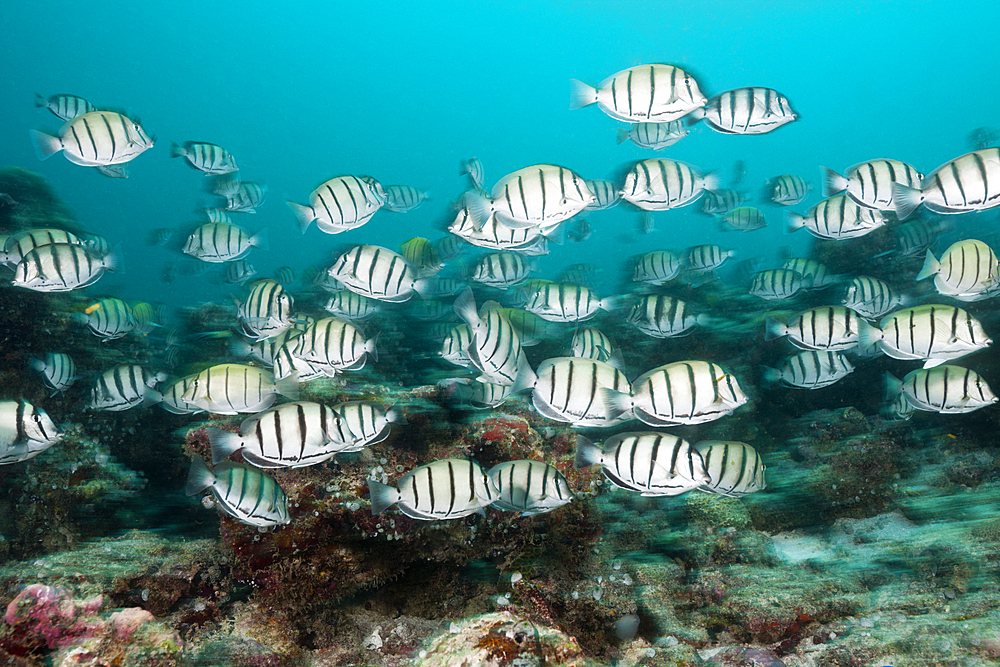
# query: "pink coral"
{"points": [[52, 616], [127, 621]]}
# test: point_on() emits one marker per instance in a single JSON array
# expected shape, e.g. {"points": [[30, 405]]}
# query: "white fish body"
{"points": [[542, 195], [566, 302], [968, 271], [266, 311], [340, 204], [244, 493], [62, 267], [945, 389], [838, 217], [57, 369], [656, 93], [657, 267], [654, 136], [664, 316], [832, 328], [568, 389], [444, 489], [970, 182], [229, 389], [871, 298], [336, 344], [871, 183], [933, 333], [810, 369], [735, 468], [125, 386], [375, 272], [496, 347], [529, 487], [370, 422], [25, 431], [205, 157], [747, 111], [218, 242], [94, 139], [777, 284], [647, 462], [659, 184]]}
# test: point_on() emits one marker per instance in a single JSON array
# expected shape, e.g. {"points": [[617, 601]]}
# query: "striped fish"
{"points": [[351, 306], [871, 298], [264, 350], [422, 256], [837, 217], [786, 190], [444, 489], [229, 389], [125, 386], [650, 463], [224, 185], [266, 311], [565, 302], [653, 136], [744, 219], [402, 198], [173, 397], [706, 257], [340, 204], [18, 244], [65, 107], [496, 348], [657, 267], [449, 247], [113, 170], [454, 347], [913, 238], [777, 284], [811, 369], [466, 393], [494, 234], [529, 487], [590, 343], [146, 316], [746, 111], [815, 274], [720, 202], [684, 392], [502, 269], [659, 184], [109, 318], [945, 389], [656, 93], [541, 195], [246, 197], [606, 195], [239, 271], [25, 431], [831, 328], [474, 168], [335, 344], [734, 468], [370, 422], [57, 369], [61, 267], [93, 139], [970, 182], [871, 183], [968, 271], [205, 157], [663, 316], [292, 435], [284, 275], [242, 492], [375, 272], [933, 333], [287, 365], [568, 389], [531, 328], [217, 215], [222, 242]]}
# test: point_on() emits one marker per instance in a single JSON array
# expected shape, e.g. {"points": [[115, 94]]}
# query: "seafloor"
{"points": [[875, 542]]}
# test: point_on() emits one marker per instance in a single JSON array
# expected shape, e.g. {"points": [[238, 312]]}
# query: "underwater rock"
{"points": [[48, 617], [35, 203]]}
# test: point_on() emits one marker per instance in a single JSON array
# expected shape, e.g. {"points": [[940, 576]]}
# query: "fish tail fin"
{"points": [[832, 182], [370, 346], [616, 403], [261, 239], [45, 144], [382, 496], [223, 443], [774, 328], [694, 116], [479, 207], [794, 221], [288, 387], [395, 416], [868, 335], [580, 94], [906, 200], [893, 385], [931, 266], [525, 378], [711, 181], [623, 135], [177, 150], [304, 214], [770, 376], [40, 101], [587, 453], [115, 261], [199, 477], [465, 308]]}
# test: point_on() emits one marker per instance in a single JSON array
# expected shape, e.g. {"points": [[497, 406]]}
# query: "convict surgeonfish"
{"points": [[496, 348], [591, 343], [454, 347], [57, 369], [787, 189], [95, 138], [746, 111], [871, 183], [568, 389], [218, 242], [656, 267], [62, 267], [735, 468], [229, 389], [565, 302], [606, 194], [444, 489], [108, 318], [422, 256], [173, 397], [352, 306], [64, 107], [369, 422], [266, 311], [815, 274], [125, 386], [205, 157], [653, 136], [831, 328], [529, 487], [335, 344], [743, 219], [777, 284], [291, 435], [945, 389], [647, 462], [871, 298], [655, 93], [466, 393], [683, 392], [18, 244], [340, 204], [246, 197], [704, 258], [376, 272], [970, 182], [933, 333], [664, 316], [968, 271], [494, 234], [660, 184], [838, 217], [541, 195], [402, 198], [502, 269], [914, 237], [531, 328], [810, 369], [244, 493], [721, 201], [239, 271], [25, 431]]}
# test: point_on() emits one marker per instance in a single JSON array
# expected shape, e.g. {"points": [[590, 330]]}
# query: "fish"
{"points": [[591, 343], [443, 489], [62, 267], [173, 397], [832, 328], [402, 198], [914, 237], [659, 184], [287, 365], [57, 369], [266, 311], [744, 219], [376, 272], [968, 271], [502, 269], [18, 244], [94, 139], [125, 386], [291, 435], [871, 183], [224, 185], [606, 194], [422, 256], [706, 257], [370, 422], [247, 197], [932, 333], [494, 234], [647, 462], [264, 350], [529, 487], [64, 106], [340, 204], [474, 168], [335, 344], [815, 274], [351, 306], [25, 431], [113, 170], [970, 182], [218, 242], [284, 275], [745, 111], [663, 316], [786, 190], [656, 93], [837, 218], [229, 389], [871, 298], [239, 271], [581, 231], [657, 267], [244, 493], [109, 318], [568, 389], [777, 284], [945, 389], [810, 369], [721, 201], [683, 392], [449, 247], [496, 348], [541, 195], [205, 157], [734, 468], [160, 236], [454, 347], [566, 302], [653, 136], [531, 328], [477, 395], [217, 214]]}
